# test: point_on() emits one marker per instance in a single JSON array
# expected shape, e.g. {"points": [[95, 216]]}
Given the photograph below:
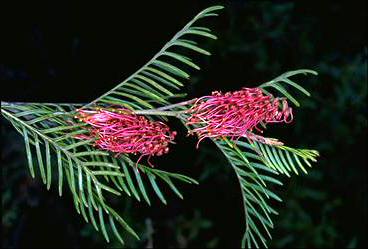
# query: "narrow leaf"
{"points": [[90, 193], [181, 43], [170, 68], [156, 188], [141, 187], [115, 231], [39, 158], [90, 211], [155, 84], [164, 75], [28, 150], [48, 165], [129, 180], [102, 224], [60, 168], [181, 58], [202, 33]]}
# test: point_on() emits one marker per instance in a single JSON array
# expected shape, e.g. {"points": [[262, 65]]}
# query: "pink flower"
{"points": [[121, 131], [234, 114]]}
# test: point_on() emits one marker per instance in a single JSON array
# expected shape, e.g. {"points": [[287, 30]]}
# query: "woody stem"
{"points": [[162, 110], [168, 107], [159, 112]]}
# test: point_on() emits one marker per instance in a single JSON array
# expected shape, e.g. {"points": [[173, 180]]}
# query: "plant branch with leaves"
{"points": [[95, 144]]}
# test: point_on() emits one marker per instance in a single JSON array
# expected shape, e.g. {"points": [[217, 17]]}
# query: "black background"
{"points": [[72, 51]]}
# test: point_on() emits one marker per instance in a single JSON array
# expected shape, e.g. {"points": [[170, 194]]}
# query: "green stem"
{"points": [[162, 110], [263, 140], [168, 107], [4, 103], [158, 112]]}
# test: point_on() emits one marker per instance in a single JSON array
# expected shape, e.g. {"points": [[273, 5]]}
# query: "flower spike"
{"points": [[121, 131], [235, 114]]}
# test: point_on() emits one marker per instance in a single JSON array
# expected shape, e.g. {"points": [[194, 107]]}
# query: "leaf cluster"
{"points": [[49, 131]]}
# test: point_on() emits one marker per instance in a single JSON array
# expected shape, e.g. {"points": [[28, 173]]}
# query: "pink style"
{"points": [[122, 131], [233, 114]]}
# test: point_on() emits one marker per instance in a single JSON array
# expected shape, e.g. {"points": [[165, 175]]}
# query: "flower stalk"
{"points": [[236, 114]]}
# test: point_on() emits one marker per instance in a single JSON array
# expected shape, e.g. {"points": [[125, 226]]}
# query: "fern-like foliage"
{"points": [[48, 131], [282, 159], [154, 83], [255, 193], [284, 78], [256, 164]]}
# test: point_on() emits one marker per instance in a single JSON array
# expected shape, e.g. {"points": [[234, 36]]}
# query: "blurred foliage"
{"points": [[257, 41]]}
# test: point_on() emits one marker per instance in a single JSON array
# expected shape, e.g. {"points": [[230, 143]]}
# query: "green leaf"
{"points": [[185, 44], [152, 82], [105, 164], [40, 161], [115, 101], [122, 222], [292, 83], [120, 179], [90, 193], [53, 126], [71, 174], [202, 33], [154, 95], [28, 150], [164, 75], [176, 70], [80, 143], [48, 165], [156, 188], [60, 169], [171, 185], [129, 180], [158, 79], [252, 190], [91, 153], [141, 187], [284, 92], [90, 212], [62, 128], [102, 224], [181, 58], [280, 158], [113, 227], [172, 69], [107, 173], [285, 79], [81, 206]]}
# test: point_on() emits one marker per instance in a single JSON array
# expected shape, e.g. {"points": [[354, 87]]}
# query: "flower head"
{"points": [[121, 131], [233, 114]]}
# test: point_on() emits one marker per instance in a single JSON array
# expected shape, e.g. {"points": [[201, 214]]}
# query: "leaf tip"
{"points": [[313, 72]]}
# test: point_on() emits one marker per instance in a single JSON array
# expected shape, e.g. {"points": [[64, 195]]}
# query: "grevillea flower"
{"points": [[121, 131], [235, 114]]}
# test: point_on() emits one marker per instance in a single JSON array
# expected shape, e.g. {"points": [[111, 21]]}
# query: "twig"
{"points": [[4, 103], [188, 102], [159, 112]]}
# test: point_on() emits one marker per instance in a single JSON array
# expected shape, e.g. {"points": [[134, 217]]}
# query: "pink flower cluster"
{"points": [[122, 131], [233, 114]]}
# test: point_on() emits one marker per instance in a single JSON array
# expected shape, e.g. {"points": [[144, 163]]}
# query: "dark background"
{"points": [[60, 51]]}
